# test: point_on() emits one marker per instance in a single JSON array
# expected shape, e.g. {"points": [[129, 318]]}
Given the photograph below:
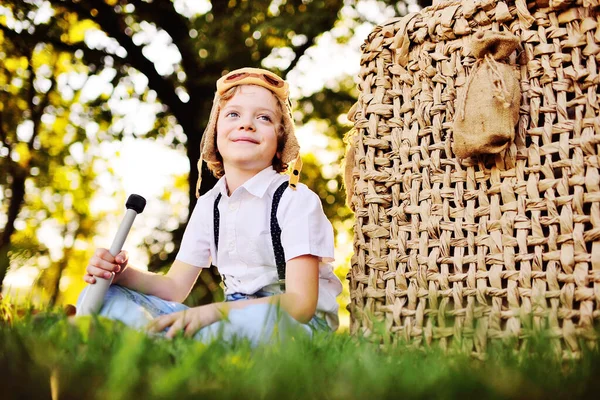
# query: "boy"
{"points": [[254, 225]]}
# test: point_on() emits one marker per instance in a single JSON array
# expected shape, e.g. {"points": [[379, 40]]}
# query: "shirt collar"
{"points": [[221, 186], [257, 185]]}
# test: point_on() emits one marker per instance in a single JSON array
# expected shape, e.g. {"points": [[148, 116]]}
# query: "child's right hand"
{"points": [[103, 263]]}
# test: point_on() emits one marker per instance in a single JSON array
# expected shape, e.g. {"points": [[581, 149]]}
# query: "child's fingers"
{"points": [[193, 327], [89, 278], [154, 325], [178, 325], [122, 257], [100, 272], [104, 254], [104, 264], [160, 323]]}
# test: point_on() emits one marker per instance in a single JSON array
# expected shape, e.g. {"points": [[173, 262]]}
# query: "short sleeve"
{"points": [[196, 243], [304, 227]]}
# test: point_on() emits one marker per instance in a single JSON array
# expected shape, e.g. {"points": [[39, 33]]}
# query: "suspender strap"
{"points": [[216, 220], [276, 232], [275, 229]]}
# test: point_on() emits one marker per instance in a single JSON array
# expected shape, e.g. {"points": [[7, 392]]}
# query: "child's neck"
{"points": [[235, 177]]}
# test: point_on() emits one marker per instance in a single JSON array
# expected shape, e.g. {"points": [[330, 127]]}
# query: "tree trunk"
{"points": [[16, 200], [55, 289]]}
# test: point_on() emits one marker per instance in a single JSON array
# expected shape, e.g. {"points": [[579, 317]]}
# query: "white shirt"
{"points": [[245, 257]]}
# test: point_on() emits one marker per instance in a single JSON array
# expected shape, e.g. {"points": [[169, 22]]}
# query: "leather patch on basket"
{"points": [[488, 104]]}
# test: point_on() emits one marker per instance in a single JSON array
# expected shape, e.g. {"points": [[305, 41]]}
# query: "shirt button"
{"points": [[233, 206]]}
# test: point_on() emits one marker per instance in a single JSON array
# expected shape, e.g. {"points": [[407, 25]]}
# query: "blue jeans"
{"points": [[258, 323]]}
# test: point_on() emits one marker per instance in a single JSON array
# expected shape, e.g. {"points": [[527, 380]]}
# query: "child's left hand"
{"points": [[190, 321]]}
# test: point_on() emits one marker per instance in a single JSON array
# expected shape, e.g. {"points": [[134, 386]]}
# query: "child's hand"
{"points": [[190, 321], [103, 263]]}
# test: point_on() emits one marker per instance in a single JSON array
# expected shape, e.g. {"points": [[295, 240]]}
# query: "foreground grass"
{"points": [[104, 360]]}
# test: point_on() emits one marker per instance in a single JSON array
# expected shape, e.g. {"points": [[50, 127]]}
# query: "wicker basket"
{"points": [[465, 252]]}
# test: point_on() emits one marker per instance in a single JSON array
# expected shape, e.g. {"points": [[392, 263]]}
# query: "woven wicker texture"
{"points": [[464, 252]]}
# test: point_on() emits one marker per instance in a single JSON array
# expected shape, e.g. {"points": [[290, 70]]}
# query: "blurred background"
{"points": [[103, 98]]}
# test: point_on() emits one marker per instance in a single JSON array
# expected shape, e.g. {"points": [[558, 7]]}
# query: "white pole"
{"points": [[93, 298]]}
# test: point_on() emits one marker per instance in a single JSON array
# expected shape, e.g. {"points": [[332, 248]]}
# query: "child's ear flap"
{"points": [[295, 176]]}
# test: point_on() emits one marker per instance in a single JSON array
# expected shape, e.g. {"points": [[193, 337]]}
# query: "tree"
{"points": [[42, 142]]}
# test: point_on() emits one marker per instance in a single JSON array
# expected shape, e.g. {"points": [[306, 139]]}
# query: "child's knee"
{"points": [[110, 293], [262, 322], [120, 304]]}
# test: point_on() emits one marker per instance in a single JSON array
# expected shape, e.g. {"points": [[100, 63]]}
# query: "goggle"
{"points": [[254, 76], [272, 80]]}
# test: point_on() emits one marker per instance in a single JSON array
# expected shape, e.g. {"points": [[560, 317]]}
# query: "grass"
{"points": [[99, 359]]}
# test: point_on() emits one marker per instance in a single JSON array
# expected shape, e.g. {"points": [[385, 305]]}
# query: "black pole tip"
{"points": [[136, 203]]}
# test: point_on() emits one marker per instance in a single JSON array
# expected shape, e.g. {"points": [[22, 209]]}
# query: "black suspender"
{"points": [[275, 229], [216, 219], [276, 232]]}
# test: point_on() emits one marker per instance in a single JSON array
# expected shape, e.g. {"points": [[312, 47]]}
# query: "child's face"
{"points": [[247, 129]]}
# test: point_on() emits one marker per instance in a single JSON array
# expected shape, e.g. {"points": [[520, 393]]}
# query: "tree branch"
{"points": [[3, 136], [30, 40], [326, 13], [37, 111], [114, 26], [165, 17], [298, 52]]}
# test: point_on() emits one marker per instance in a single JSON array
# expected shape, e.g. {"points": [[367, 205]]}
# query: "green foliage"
{"points": [[44, 146], [98, 359]]}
